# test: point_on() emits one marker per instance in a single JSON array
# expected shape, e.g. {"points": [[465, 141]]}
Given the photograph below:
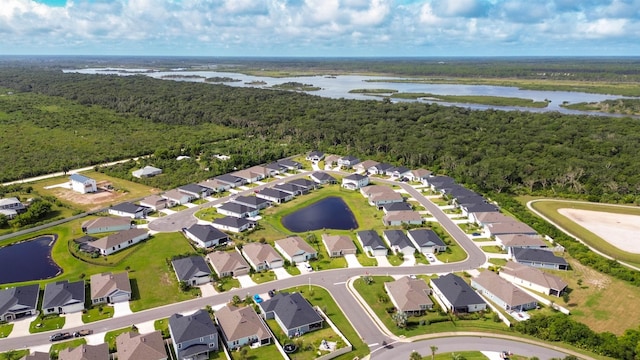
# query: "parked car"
{"points": [[476, 234], [82, 333], [272, 293], [431, 257], [257, 298], [308, 267], [60, 336]]}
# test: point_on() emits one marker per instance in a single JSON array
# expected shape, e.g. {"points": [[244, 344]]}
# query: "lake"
{"points": [[339, 86], [328, 213], [28, 260]]}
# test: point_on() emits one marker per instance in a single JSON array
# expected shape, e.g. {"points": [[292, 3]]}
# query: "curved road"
{"points": [[333, 280]]}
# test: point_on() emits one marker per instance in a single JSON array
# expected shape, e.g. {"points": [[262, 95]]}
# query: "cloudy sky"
{"points": [[320, 27]]}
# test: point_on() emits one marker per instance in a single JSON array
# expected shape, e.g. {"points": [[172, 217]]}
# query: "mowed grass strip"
{"points": [[549, 208]]}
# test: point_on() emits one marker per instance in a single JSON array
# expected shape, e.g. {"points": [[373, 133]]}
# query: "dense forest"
{"points": [[492, 151]]}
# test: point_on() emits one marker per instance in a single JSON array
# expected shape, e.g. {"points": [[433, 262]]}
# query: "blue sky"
{"points": [[321, 27]]}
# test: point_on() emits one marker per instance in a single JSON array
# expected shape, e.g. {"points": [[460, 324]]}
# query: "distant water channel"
{"points": [[339, 86], [328, 213], [28, 260]]}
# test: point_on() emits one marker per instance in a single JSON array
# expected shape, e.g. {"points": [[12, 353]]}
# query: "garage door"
{"points": [[119, 298]]}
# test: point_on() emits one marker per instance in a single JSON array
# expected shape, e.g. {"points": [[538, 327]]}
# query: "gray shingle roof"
{"points": [[355, 177], [190, 327], [293, 310], [538, 255], [61, 293], [457, 291], [187, 267], [192, 188], [237, 208], [128, 207], [207, 233], [229, 179], [321, 176], [372, 239], [426, 237], [232, 221], [26, 296], [250, 201], [398, 238], [273, 193], [397, 206]]}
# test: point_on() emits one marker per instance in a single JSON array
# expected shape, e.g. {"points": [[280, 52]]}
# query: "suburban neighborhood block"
{"points": [[193, 335]]}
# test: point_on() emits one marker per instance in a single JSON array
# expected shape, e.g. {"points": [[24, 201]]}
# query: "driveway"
{"points": [[246, 281], [73, 320], [409, 260], [207, 290], [352, 261], [121, 309], [21, 327], [281, 273], [383, 261]]}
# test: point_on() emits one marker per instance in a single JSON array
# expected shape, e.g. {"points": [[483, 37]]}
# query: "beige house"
{"points": [[134, 346], [262, 256], [338, 245], [155, 202], [533, 278], [85, 352], [110, 288], [378, 195], [119, 241], [409, 295], [502, 292], [241, 326], [395, 218], [295, 249], [228, 263]]}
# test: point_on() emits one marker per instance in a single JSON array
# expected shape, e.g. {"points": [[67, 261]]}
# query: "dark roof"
{"points": [[397, 206], [356, 177], [349, 158], [237, 208], [372, 239], [322, 176], [232, 221], [207, 233], [26, 296], [187, 267], [401, 169], [61, 292], [316, 153], [193, 188], [471, 200], [128, 207], [457, 291], [537, 255], [383, 166], [458, 191], [305, 183], [441, 181], [398, 238], [274, 166], [250, 201], [289, 163], [293, 310], [229, 179], [426, 237], [194, 326], [288, 188], [482, 207], [273, 193]]}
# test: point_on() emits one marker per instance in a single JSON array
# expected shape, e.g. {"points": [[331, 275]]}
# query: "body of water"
{"points": [[28, 260], [328, 213], [339, 86]]}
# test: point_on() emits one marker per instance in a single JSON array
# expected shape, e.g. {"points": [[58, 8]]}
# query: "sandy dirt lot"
{"points": [[91, 201], [619, 230]]}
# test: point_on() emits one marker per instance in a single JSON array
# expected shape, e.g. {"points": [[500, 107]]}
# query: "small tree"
{"points": [[415, 356], [236, 300], [400, 318], [433, 351]]}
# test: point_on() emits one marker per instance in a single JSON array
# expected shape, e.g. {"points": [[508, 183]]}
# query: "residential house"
{"points": [[364, 166], [134, 346], [502, 292], [176, 197], [194, 336], [37, 355], [436, 183], [82, 184], [315, 156], [206, 236], [215, 186], [379, 195], [371, 243], [195, 191], [233, 224], [510, 242], [539, 258], [396, 206], [355, 181], [512, 227], [338, 245], [147, 171], [289, 164], [291, 189], [323, 178], [399, 242], [241, 326], [398, 172], [252, 201], [85, 352], [252, 174], [228, 263], [418, 175], [154, 202], [119, 241], [275, 196], [396, 218], [105, 224], [130, 210], [455, 295], [331, 160], [379, 169], [305, 185], [426, 241], [192, 269], [274, 168], [11, 207], [63, 297], [489, 217], [348, 161], [296, 250], [475, 207], [533, 278], [19, 302], [262, 256], [231, 180], [110, 288], [237, 210], [410, 296], [292, 312]]}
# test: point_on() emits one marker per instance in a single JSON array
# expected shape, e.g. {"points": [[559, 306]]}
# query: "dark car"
{"points": [[59, 336], [272, 293]]}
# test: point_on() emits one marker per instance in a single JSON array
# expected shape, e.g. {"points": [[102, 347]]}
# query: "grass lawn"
{"points": [[46, 323], [549, 208], [163, 326], [14, 354], [420, 258], [110, 337], [267, 352], [179, 208], [263, 276], [199, 201], [440, 201], [57, 347], [481, 239], [432, 322], [227, 283], [5, 330], [308, 343], [395, 259], [493, 249], [96, 313], [498, 262], [325, 262], [208, 214], [292, 270]]}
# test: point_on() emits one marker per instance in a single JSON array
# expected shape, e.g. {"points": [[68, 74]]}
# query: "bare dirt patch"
{"points": [[92, 201], [619, 230]]}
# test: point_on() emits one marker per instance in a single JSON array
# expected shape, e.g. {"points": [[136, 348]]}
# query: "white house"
{"points": [[82, 184], [233, 224], [262, 256], [110, 288], [147, 171], [63, 297], [295, 249], [206, 235], [119, 241], [355, 181]]}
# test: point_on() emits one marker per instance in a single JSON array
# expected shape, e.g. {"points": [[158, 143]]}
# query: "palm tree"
{"points": [[415, 356], [400, 317], [433, 351]]}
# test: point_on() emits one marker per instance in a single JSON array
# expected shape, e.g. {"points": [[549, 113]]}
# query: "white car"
{"points": [[431, 258], [308, 267]]}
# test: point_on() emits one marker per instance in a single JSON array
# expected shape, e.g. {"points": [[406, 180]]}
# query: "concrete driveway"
{"points": [[383, 261], [121, 309], [409, 260], [352, 261], [207, 290], [246, 281], [281, 273], [73, 320], [21, 327]]}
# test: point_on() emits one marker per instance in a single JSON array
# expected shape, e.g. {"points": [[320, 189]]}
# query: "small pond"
{"points": [[28, 260], [328, 213]]}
